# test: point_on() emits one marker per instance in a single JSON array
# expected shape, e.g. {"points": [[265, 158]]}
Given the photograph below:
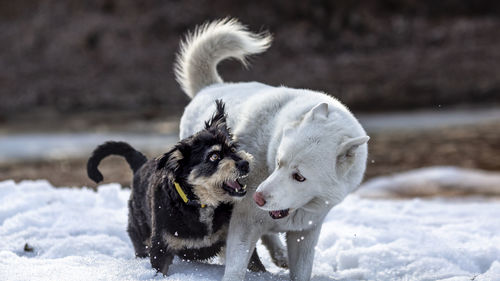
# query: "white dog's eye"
{"points": [[298, 177], [214, 156]]}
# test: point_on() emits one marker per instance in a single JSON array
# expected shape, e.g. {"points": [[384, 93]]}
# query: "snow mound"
{"points": [[432, 181], [49, 233]]}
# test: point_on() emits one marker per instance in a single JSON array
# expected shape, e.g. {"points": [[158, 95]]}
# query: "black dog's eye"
{"points": [[233, 149], [298, 177], [214, 156]]}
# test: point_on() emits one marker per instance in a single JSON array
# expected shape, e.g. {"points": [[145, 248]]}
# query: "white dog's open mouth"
{"points": [[234, 188], [279, 214]]}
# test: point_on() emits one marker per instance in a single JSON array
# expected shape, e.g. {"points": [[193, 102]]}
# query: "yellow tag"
{"points": [[181, 193]]}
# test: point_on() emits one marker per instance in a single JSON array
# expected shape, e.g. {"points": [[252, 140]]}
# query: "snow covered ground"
{"points": [[79, 234]]}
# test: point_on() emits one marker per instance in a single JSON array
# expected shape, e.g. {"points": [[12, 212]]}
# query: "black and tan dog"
{"points": [[181, 202]]}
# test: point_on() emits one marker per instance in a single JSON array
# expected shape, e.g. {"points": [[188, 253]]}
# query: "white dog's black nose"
{"points": [[243, 166], [258, 197]]}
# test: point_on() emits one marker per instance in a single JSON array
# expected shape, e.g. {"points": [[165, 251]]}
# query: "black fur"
{"points": [[155, 207], [134, 158]]}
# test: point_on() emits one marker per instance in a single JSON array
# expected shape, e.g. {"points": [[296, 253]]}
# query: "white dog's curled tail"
{"points": [[202, 50]]}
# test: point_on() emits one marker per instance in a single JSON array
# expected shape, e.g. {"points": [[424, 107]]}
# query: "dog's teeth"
{"points": [[244, 187]]}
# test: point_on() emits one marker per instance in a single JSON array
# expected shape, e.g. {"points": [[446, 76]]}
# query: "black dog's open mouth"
{"points": [[234, 188], [279, 214]]}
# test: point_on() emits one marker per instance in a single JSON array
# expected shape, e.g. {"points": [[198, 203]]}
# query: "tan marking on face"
{"points": [[216, 147], [209, 189], [246, 156], [226, 169]]}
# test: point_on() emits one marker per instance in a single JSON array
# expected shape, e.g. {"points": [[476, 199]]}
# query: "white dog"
{"points": [[309, 150]]}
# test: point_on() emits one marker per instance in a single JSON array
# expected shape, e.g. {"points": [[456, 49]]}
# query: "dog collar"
{"points": [[183, 195]]}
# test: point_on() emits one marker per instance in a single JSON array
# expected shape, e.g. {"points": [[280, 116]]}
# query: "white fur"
{"points": [[303, 130], [209, 44]]}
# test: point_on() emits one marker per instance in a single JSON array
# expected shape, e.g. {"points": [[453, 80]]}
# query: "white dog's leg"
{"points": [[241, 241], [301, 252], [276, 248]]}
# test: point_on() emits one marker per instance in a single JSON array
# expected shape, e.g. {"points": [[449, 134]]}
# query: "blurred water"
{"points": [[427, 119], [33, 146]]}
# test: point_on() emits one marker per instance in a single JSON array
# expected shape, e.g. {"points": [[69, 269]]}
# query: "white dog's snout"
{"points": [[266, 190]]}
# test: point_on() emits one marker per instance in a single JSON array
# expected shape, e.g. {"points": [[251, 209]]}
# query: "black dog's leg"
{"points": [[160, 257], [255, 264], [141, 249], [138, 231]]}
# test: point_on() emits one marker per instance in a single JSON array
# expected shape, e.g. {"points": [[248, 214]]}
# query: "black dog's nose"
{"points": [[243, 166]]}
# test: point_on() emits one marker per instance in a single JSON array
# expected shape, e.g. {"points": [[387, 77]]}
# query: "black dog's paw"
{"points": [[280, 259]]}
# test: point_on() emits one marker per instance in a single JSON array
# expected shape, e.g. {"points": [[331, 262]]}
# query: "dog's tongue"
{"points": [[278, 214], [233, 184]]}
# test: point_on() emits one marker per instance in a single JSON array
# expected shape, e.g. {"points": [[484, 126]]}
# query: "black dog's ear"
{"points": [[170, 161], [218, 120]]}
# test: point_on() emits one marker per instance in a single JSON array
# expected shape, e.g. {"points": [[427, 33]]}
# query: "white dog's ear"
{"points": [[347, 151], [318, 112], [348, 147]]}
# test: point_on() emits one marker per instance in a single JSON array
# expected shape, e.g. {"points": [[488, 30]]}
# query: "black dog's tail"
{"points": [[134, 158]]}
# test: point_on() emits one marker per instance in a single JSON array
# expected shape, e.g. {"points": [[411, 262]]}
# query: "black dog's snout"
{"points": [[243, 166]]}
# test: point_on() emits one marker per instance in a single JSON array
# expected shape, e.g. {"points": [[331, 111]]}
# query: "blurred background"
{"points": [[422, 76]]}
